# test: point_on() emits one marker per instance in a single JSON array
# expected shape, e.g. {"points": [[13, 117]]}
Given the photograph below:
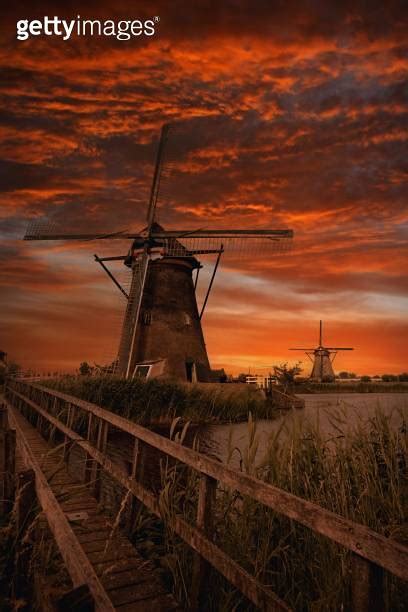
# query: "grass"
{"points": [[32, 572], [351, 387], [156, 401], [360, 474]]}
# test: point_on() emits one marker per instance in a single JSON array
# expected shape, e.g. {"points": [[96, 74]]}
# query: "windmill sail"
{"points": [[322, 358], [161, 263], [132, 313]]}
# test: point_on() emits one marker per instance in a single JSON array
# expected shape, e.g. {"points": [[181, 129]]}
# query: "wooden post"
{"points": [[206, 499], [101, 443], [67, 441], [3, 417], [136, 472], [7, 462], [25, 498], [88, 460], [367, 594], [10, 469]]}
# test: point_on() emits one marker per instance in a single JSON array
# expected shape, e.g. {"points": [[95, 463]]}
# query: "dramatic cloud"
{"points": [[285, 114]]}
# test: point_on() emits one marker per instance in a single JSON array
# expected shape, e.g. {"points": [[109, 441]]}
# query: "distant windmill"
{"points": [[322, 358], [161, 332]]}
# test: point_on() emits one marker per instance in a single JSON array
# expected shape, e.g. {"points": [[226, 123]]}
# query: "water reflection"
{"points": [[330, 413]]}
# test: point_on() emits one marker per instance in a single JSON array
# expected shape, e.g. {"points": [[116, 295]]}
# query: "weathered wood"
{"points": [[88, 460], [238, 577], [361, 540], [101, 443], [136, 472], [3, 417], [201, 568], [357, 538], [7, 469], [78, 600], [76, 561], [7, 466], [366, 586], [130, 593], [67, 440]]}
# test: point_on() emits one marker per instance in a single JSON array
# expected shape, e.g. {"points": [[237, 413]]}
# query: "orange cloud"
{"points": [[284, 117]]}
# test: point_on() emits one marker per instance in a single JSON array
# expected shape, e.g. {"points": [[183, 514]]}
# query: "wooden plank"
{"points": [[140, 591], [163, 603], [367, 594], [7, 467], [361, 540], [105, 569], [125, 578], [99, 535], [206, 499], [75, 559], [241, 579]]}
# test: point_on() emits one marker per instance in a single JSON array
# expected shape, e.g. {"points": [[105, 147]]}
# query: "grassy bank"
{"points": [[352, 387], [154, 401], [359, 474]]}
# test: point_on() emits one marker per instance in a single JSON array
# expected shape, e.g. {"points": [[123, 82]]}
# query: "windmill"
{"points": [[323, 357], [161, 331]]}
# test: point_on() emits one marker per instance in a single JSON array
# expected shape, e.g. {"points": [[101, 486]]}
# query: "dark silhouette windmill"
{"points": [[161, 332], [322, 358]]}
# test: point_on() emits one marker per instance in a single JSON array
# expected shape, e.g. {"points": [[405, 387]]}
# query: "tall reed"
{"points": [[156, 400], [360, 473]]}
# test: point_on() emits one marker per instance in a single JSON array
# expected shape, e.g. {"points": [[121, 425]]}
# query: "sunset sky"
{"points": [[288, 115]]}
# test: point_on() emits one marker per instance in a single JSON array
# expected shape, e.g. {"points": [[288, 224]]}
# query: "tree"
{"points": [[389, 378], [343, 375], [365, 379], [285, 375], [403, 377], [85, 369]]}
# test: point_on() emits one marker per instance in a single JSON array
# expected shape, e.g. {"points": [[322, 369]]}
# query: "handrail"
{"points": [[76, 561], [361, 540]]}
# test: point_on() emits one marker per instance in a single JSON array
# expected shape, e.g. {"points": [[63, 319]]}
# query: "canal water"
{"points": [[331, 413]]}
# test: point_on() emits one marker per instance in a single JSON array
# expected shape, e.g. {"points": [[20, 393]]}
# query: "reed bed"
{"points": [[360, 473], [157, 401]]}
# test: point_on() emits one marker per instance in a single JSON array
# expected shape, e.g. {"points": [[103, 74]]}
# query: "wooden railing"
{"points": [[371, 552], [284, 400]]}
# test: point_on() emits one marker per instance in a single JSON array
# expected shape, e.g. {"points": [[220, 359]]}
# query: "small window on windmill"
{"points": [[147, 317], [142, 371], [187, 319]]}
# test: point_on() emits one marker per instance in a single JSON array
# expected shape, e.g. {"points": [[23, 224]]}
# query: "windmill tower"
{"points": [[322, 358], [161, 331]]}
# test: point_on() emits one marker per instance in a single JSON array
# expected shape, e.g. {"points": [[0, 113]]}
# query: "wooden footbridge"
{"points": [[106, 571]]}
